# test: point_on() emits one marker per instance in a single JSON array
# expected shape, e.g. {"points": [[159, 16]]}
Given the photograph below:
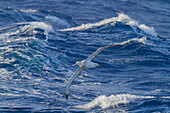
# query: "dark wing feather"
{"points": [[92, 56], [78, 71]]}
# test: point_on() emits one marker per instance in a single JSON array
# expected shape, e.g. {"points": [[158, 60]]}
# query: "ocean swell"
{"points": [[112, 21], [111, 101]]}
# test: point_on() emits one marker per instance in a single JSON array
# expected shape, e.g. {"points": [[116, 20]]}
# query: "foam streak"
{"points": [[121, 18], [141, 40], [87, 26], [111, 101]]}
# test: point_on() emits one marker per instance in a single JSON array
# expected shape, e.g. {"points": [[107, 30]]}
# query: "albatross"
{"points": [[85, 64]]}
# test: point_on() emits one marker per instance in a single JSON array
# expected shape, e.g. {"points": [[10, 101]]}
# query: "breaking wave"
{"points": [[39, 42], [111, 101], [112, 21], [141, 40], [24, 31]]}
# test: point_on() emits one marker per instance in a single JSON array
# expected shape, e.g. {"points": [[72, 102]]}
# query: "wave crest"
{"points": [[24, 31], [121, 18], [141, 40], [111, 101]]}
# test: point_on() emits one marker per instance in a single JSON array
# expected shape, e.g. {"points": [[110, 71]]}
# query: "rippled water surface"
{"points": [[40, 40]]}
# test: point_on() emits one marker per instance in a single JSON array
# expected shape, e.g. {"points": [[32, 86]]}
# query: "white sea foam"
{"points": [[167, 97], [41, 25], [111, 101], [140, 40], [148, 30], [25, 27], [121, 18], [127, 20], [87, 26], [28, 10]]}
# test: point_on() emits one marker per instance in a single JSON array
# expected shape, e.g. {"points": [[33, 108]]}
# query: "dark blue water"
{"points": [[40, 40]]}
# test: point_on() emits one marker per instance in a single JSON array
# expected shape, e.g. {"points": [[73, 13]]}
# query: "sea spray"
{"points": [[111, 101], [121, 18]]}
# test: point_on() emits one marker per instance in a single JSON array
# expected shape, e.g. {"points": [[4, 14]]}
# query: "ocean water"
{"points": [[40, 40]]}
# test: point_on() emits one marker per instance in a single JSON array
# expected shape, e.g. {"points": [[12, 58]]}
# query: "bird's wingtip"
{"points": [[67, 95]]}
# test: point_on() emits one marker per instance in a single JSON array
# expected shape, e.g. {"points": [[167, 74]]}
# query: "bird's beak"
{"points": [[74, 64]]}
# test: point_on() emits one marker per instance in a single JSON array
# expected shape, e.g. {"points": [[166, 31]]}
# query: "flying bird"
{"points": [[85, 64]]}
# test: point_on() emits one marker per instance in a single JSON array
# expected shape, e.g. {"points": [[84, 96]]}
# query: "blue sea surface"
{"points": [[40, 40]]}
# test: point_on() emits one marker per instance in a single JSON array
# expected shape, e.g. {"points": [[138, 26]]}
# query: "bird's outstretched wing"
{"points": [[92, 56], [78, 71]]}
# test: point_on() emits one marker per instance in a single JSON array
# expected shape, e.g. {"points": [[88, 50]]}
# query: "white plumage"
{"points": [[84, 64]]}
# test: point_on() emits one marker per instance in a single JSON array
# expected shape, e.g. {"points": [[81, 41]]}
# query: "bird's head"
{"points": [[77, 63]]}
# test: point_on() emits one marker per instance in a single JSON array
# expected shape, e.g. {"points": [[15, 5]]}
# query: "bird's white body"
{"points": [[85, 64]]}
